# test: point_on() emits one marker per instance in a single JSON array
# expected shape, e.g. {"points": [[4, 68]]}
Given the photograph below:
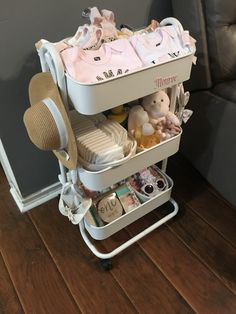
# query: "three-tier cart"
{"points": [[89, 99]]}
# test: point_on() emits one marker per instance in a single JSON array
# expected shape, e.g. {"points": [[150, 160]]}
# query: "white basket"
{"points": [[99, 180], [94, 98], [100, 233]]}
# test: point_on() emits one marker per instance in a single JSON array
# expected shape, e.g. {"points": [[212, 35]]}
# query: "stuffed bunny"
{"points": [[165, 122]]}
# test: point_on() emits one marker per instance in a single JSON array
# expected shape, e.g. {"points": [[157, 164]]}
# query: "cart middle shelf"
{"points": [[99, 180]]}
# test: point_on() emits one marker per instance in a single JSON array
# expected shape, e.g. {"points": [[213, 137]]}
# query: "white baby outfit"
{"points": [[163, 44]]}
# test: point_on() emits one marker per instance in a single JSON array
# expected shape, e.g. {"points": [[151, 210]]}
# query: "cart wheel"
{"points": [[106, 264]]}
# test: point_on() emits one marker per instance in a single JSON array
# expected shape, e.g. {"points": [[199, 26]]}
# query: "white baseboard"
{"points": [[36, 199], [26, 203], [7, 169]]}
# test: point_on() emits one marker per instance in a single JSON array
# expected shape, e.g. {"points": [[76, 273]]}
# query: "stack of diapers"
{"points": [[101, 143], [115, 131]]}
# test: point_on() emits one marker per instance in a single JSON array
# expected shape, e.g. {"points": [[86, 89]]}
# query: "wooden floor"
{"points": [[186, 266]]}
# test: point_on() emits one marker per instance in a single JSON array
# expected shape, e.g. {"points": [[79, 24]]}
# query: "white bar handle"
{"points": [[51, 61], [172, 21], [130, 241]]}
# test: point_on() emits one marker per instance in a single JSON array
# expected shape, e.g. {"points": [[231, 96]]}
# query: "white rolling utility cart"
{"points": [[89, 99]]}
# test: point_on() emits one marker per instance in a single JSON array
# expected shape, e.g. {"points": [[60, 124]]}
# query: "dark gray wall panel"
{"points": [[22, 23], [208, 141]]}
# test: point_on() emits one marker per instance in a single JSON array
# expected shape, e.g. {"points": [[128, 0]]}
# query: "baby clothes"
{"points": [[161, 45], [110, 60]]}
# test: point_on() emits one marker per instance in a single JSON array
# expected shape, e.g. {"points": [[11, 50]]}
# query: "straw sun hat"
{"points": [[46, 121]]}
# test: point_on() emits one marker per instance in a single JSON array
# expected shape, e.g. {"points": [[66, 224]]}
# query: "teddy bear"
{"points": [[141, 129], [162, 119]]}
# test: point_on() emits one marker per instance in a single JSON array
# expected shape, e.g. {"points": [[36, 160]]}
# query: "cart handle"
{"points": [[51, 61], [172, 21], [130, 241]]}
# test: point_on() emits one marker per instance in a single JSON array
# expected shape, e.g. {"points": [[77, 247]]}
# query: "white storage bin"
{"points": [[97, 97], [100, 233], [98, 180], [94, 98]]}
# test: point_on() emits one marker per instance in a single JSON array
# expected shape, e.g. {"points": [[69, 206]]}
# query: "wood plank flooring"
{"points": [[186, 266]]}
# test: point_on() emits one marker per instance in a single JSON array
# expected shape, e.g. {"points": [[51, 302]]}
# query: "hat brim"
{"points": [[42, 86]]}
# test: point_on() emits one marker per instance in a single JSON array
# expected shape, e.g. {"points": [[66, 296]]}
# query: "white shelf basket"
{"points": [[94, 98], [100, 233], [98, 180]]}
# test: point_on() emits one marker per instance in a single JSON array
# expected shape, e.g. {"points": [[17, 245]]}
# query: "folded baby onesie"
{"points": [[163, 44], [110, 60]]}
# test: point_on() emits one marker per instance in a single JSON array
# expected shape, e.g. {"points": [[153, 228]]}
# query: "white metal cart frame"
{"points": [[93, 98]]}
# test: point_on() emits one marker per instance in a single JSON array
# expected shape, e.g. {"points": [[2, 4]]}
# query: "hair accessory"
{"points": [[153, 186], [148, 183], [102, 29], [89, 38], [46, 121], [86, 12]]}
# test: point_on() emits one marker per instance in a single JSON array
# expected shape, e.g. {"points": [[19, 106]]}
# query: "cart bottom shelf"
{"points": [[132, 240], [100, 233]]}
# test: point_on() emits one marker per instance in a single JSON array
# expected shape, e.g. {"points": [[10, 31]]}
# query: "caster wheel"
{"points": [[106, 264]]}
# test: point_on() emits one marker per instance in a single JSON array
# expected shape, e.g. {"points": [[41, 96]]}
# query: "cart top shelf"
{"points": [[92, 98]]}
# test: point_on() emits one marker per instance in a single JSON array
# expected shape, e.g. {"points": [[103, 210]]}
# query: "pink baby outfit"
{"points": [[110, 60], [161, 45]]}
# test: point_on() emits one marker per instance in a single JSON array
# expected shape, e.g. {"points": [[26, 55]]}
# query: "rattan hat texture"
{"points": [[47, 122]]}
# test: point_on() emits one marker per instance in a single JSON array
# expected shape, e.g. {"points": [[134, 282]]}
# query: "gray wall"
{"points": [[22, 23]]}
